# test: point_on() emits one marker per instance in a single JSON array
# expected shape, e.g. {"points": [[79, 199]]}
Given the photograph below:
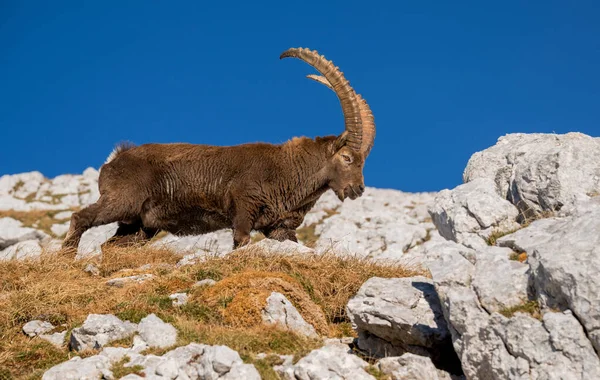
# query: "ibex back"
{"points": [[193, 189]]}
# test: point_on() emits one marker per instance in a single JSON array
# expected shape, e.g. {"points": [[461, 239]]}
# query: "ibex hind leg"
{"points": [[94, 215]]}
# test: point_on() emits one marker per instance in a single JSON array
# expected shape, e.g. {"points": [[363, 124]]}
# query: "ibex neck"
{"points": [[310, 175]]}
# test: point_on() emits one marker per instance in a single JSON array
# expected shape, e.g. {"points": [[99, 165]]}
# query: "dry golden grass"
{"points": [[57, 289], [248, 292]]}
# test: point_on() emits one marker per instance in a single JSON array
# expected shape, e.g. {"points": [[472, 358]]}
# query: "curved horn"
{"points": [[342, 88], [366, 115]]}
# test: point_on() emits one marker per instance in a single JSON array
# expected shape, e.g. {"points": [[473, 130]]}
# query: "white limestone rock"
{"points": [[196, 361], [280, 311], [157, 333], [93, 367], [411, 367], [540, 172], [37, 327], [56, 339], [197, 247], [28, 249], [469, 213], [402, 311], [286, 247], [12, 232], [499, 282], [379, 222], [205, 282], [63, 215], [564, 255], [60, 229], [333, 361], [99, 330], [92, 240], [179, 299], [122, 281]]}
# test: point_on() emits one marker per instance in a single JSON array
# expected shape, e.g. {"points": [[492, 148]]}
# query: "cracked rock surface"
{"points": [[531, 319]]}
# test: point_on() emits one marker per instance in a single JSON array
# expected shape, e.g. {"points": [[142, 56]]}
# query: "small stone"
{"points": [[205, 282], [37, 327], [92, 269], [157, 333], [280, 311], [57, 339], [179, 299], [122, 281]]}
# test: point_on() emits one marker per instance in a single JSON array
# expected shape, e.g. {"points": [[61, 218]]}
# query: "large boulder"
{"points": [[490, 307], [564, 255], [471, 212], [540, 173], [397, 315]]}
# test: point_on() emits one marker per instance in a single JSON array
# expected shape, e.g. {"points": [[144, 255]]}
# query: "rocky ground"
{"points": [[494, 279]]}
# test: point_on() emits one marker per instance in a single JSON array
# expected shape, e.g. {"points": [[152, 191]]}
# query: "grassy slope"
{"points": [[57, 289]]}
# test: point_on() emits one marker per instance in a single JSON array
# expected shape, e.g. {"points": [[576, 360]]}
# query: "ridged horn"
{"points": [[342, 88], [366, 115]]}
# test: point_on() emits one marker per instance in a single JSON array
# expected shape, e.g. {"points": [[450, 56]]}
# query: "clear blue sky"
{"points": [[444, 79]]}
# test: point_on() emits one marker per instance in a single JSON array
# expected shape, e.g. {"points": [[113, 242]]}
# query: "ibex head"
{"points": [[351, 148]]}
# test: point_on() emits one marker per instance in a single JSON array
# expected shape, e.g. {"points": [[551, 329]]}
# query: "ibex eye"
{"points": [[347, 158]]}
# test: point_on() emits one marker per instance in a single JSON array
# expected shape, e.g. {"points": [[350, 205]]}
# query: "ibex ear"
{"points": [[341, 141]]}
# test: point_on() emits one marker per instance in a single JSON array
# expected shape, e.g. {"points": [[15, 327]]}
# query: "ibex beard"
{"points": [[189, 189]]}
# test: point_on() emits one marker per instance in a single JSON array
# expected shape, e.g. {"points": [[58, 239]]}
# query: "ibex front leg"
{"points": [[242, 225]]}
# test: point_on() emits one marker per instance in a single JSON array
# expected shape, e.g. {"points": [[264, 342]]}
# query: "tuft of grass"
{"points": [[201, 313], [124, 342], [248, 291], [18, 186], [518, 256], [376, 373], [5, 374], [527, 215], [497, 234], [210, 273], [119, 370], [530, 307]]}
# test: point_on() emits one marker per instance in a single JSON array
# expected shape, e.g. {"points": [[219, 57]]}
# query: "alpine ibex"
{"points": [[193, 189]]}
